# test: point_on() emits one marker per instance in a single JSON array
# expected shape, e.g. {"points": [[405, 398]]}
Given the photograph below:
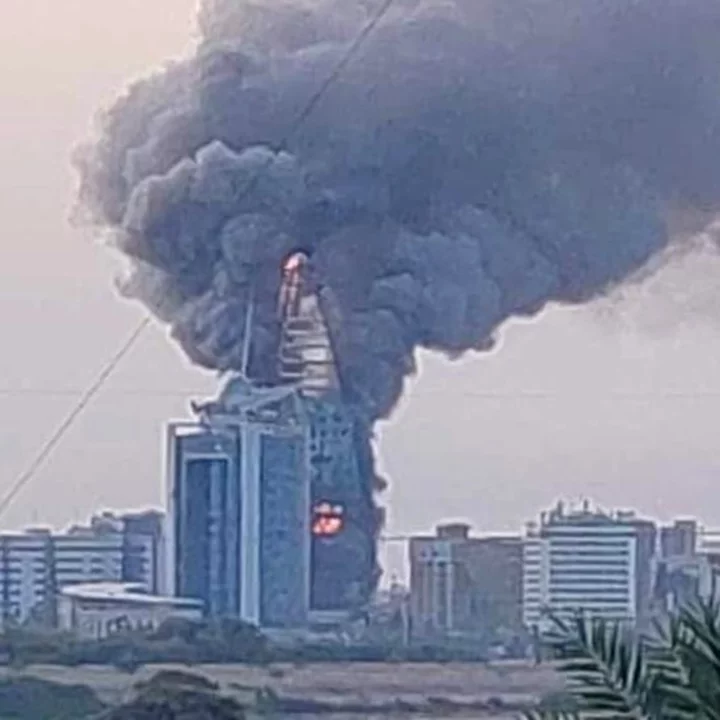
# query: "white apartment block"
{"points": [[26, 575], [36, 565], [81, 559], [584, 561]]}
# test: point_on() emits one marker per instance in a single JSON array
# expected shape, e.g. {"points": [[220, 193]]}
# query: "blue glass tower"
{"points": [[238, 535]]}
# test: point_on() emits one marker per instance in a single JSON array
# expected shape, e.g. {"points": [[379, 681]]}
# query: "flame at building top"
{"points": [[435, 201], [305, 354], [294, 280]]}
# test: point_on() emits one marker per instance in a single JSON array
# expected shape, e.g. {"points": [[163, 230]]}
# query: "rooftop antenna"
{"points": [[249, 313]]}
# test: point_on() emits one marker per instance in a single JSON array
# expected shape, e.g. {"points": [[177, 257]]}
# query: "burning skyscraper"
{"points": [[272, 510], [434, 168]]}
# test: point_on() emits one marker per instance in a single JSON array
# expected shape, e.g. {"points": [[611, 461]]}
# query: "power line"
{"points": [[312, 103], [10, 392], [55, 438]]}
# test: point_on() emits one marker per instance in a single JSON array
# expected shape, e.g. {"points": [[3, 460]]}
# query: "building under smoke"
{"points": [[278, 474], [444, 167]]}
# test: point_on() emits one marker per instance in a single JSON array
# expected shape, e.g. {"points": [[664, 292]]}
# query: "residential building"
{"points": [[27, 577], [590, 561], [462, 585], [142, 541], [36, 564]]}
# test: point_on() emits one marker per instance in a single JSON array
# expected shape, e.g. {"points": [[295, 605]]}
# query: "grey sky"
{"points": [[618, 403]]}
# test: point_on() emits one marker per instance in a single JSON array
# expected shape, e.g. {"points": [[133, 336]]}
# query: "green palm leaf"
{"points": [[612, 673]]}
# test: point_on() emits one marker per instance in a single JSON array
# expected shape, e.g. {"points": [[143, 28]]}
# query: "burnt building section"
{"points": [[344, 517]]}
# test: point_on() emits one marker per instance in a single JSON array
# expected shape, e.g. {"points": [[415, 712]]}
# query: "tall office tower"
{"points": [[279, 476], [344, 517], [238, 535]]}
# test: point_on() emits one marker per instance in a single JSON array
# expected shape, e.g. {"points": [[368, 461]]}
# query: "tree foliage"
{"points": [[31, 697], [613, 672], [174, 695]]}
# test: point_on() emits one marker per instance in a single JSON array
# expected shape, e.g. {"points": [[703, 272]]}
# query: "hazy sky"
{"points": [[618, 403]]}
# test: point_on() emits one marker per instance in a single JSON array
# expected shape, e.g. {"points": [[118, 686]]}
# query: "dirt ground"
{"points": [[372, 683]]}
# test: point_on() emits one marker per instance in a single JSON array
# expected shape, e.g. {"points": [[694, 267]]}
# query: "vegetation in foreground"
{"points": [[225, 641], [173, 695], [611, 673], [30, 698]]}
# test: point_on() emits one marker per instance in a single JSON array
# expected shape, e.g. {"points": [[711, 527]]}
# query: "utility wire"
{"points": [[47, 449], [417, 392], [57, 436]]}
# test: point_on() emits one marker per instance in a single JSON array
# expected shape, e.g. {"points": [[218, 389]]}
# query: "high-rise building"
{"points": [[460, 585], [588, 561], [271, 487], [238, 535], [344, 518]]}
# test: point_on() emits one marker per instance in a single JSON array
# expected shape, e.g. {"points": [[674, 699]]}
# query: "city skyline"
{"points": [[570, 403]]}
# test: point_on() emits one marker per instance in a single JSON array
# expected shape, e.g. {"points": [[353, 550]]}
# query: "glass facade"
{"points": [[248, 489], [207, 503], [241, 527], [283, 533]]}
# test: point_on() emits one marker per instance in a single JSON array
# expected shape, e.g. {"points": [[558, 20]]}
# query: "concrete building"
{"points": [[35, 565], [238, 531], [682, 579], [688, 566], [679, 540], [589, 561], [27, 577], [99, 610], [460, 585], [142, 538]]}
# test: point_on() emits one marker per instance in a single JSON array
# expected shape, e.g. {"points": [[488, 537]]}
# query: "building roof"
{"points": [[124, 593]]}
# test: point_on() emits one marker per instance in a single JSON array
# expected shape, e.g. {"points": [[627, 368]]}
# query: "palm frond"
{"points": [[550, 715], [692, 637], [611, 674]]}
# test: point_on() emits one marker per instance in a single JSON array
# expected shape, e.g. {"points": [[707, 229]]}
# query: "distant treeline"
{"points": [[209, 642]]}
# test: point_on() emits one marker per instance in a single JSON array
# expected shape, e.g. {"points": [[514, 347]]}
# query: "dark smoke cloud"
{"points": [[475, 160]]}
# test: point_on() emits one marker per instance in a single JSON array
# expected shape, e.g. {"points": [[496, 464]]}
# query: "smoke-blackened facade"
{"points": [[345, 520]]}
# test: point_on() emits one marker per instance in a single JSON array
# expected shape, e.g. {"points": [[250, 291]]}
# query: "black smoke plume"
{"points": [[475, 160]]}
